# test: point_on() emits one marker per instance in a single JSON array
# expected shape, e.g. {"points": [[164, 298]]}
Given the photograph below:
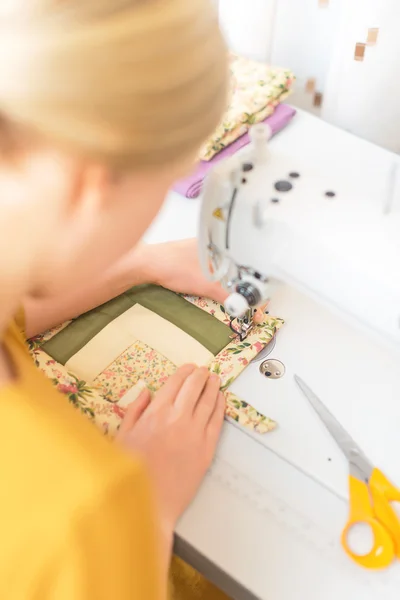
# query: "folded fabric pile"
{"points": [[257, 91]]}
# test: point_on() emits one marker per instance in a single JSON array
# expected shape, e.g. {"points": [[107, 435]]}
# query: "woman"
{"points": [[103, 104]]}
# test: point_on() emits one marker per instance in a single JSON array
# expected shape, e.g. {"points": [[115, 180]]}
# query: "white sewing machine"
{"points": [[262, 224], [268, 519]]}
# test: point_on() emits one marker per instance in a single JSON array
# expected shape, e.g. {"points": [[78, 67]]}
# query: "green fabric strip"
{"points": [[203, 327]]}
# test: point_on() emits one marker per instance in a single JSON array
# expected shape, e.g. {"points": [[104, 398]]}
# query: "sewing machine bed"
{"points": [[268, 519]]}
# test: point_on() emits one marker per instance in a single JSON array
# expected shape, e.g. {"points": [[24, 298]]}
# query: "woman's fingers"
{"points": [[217, 292], [259, 314], [177, 434], [170, 389], [135, 411], [207, 402], [216, 421], [191, 390]]}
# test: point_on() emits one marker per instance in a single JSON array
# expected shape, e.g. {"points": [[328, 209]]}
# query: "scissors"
{"points": [[370, 494]]}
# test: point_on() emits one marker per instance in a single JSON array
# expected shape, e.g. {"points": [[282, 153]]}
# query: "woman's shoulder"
{"points": [[54, 464], [67, 491], [46, 441]]}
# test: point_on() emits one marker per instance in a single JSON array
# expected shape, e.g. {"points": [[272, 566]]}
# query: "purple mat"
{"points": [[192, 184]]}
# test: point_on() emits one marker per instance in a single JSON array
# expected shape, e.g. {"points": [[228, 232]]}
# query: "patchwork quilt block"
{"points": [[104, 358]]}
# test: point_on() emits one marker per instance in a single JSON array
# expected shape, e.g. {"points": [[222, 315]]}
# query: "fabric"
{"points": [[142, 324], [192, 185], [98, 393], [137, 363], [256, 90], [172, 307], [77, 519], [235, 357]]}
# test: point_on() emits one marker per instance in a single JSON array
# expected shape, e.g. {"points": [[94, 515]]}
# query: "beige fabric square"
{"points": [[137, 323]]}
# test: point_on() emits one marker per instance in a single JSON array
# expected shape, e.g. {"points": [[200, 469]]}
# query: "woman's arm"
{"points": [[45, 312], [173, 265]]}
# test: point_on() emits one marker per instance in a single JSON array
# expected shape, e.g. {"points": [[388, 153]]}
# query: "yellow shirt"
{"points": [[76, 515]]}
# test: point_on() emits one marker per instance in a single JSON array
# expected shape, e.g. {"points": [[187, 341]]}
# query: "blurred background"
{"points": [[345, 55]]}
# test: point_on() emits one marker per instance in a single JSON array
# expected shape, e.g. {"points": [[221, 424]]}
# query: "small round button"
{"points": [[283, 186], [272, 368], [247, 167], [275, 200], [330, 194], [294, 175]]}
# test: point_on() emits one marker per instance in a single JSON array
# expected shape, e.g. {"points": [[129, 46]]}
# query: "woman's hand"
{"points": [[176, 434], [176, 266]]}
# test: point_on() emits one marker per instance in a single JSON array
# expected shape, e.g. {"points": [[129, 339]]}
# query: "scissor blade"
{"points": [[344, 440]]}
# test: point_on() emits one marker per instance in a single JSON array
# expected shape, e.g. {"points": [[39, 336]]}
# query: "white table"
{"points": [[292, 550]]}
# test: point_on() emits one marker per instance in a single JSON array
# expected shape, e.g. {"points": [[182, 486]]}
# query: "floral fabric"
{"points": [[105, 415], [234, 358], [138, 362], [256, 90], [99, 399]]}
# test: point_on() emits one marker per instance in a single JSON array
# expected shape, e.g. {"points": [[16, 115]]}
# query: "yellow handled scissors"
{"points": [[370, 494]]}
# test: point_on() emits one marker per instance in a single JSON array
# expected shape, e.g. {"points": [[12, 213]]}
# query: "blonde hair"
{"points": [[129, 82]]}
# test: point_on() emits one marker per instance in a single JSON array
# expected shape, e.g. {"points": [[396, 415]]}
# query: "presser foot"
{"points": [[241, 326]]}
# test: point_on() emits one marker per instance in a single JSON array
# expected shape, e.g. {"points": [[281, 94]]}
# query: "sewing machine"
{"points": [[268, 518], [262, 223]]}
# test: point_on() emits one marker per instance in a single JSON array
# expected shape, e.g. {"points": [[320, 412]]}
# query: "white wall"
{"points": [[295, 33], [317, 40], [248, 26], [304, 36], [364, 97], [298, 34]]}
